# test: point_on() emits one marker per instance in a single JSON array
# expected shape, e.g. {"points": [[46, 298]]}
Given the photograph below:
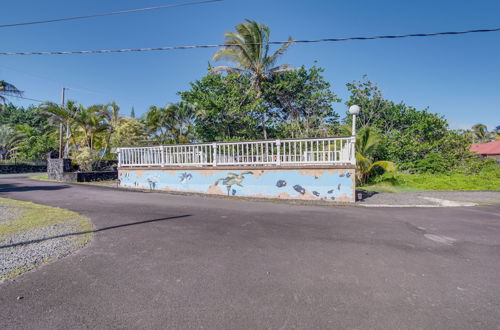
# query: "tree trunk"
{"points": [[68, 137], [263, 118]]}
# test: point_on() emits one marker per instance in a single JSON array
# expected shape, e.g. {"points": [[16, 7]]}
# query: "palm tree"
{"points": [[366, 142], [7, 89], [172, 123], [62, 115], [112, 112], [184, 115], [480, 132], [248, 48], [92, 121], [9, 139]]}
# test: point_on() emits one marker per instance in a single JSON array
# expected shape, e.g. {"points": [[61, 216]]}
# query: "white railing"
{"points": [[335, 151]]}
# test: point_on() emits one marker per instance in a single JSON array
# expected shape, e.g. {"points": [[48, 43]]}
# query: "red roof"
{"points": [[490, 148]]}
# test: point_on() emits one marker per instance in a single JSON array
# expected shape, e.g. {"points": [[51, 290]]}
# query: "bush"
{"points": [[85, 159], [433, 162]]}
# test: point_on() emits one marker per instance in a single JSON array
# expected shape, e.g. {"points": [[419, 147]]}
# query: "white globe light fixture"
{"points": [[354, 110]]}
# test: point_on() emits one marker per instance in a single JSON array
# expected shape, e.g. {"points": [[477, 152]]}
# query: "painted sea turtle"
{"points": [[232, 179]]}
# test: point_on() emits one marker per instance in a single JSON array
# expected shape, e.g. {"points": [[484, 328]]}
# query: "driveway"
{"points": [[191, 262]]}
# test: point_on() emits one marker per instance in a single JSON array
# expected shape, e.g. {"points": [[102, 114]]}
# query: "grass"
{"points": [[488, 179], [31, 216], [41, 177]]}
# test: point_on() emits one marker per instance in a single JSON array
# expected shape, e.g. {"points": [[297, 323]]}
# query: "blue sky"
{"points": [[457, 76]]}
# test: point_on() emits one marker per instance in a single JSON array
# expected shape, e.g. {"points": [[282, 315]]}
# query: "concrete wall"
{"points": [[313, 183]]}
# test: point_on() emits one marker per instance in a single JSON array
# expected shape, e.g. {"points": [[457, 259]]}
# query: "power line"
{"points": [[25, 98], [52, 81], [128, 50], [110, 13]]}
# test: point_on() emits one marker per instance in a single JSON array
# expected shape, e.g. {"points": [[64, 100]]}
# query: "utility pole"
{"points": [[61, 125]]}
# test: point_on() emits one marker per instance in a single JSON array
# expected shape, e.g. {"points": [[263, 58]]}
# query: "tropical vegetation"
{"points": [[257, 97]]}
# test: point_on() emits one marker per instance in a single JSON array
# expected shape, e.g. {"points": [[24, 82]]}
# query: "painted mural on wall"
{"points": [[309, 184]]}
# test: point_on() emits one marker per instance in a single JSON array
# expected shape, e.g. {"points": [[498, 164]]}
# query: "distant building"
{"points": [[488, 150]]}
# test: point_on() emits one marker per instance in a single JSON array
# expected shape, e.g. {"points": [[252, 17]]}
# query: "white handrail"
{"points": [[321, 151]]}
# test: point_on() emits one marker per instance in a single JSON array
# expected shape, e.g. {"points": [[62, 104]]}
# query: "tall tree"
{"points": [[248, 47], [132, 113], [302, 102], [221, 114], [7, 89]]}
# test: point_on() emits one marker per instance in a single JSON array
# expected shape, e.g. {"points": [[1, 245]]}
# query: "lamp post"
{"points": [[354, 110]]}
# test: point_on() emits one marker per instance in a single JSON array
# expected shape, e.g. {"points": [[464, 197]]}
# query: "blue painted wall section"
{"points": [[307, 184]]}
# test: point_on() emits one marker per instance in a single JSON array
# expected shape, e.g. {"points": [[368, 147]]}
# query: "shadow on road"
{"points": [[93, 231], [15, 188]]}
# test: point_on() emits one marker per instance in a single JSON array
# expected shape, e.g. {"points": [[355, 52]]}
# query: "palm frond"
{"points": [[384, 164], [272, 59], [7, 88], [224, 68]]}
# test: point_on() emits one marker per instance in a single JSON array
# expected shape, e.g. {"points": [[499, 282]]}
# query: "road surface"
{"points": [[189, 262]]}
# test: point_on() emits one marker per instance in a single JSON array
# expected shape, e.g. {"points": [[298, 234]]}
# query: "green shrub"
{"points": [[85, 159]]}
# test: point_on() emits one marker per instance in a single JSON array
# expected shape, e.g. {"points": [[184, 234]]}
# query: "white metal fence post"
{"points": [[162, 156], [214, 154], [278, 151]]}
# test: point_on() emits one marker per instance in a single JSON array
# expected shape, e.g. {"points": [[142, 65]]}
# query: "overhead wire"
{"points": [[24, 98], [166, 48], [109, 13], [53, 81]]}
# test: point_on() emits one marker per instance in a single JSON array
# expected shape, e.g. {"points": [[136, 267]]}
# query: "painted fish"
{"points": [[185, 177], [299, 189], [338, 187], [342, 175], [348, 174], [332, 198], [281, 183], [330, 191], [315, 193]]}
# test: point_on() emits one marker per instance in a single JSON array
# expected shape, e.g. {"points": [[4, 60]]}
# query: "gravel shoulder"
{"points": [[431, 198], [33, 234]]}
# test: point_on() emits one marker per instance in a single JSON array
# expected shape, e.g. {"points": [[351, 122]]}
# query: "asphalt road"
{"points": [[188, 262]]}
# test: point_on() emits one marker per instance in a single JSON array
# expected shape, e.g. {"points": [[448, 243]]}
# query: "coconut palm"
{"points": [[366, 142], [480, 133], [7, 89], [9, 139], [248, 48]]}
